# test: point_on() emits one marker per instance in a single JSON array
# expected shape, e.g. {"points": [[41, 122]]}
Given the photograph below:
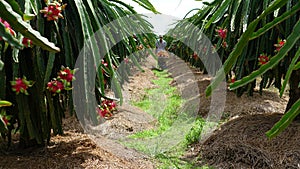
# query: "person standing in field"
{"points": [[160, 46], [161, 52]]}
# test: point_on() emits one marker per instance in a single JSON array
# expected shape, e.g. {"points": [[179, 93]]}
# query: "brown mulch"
{"points": [[74, 149], [242, 143]]}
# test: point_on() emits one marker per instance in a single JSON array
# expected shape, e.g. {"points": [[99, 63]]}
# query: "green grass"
{"points": [[164, 103]]}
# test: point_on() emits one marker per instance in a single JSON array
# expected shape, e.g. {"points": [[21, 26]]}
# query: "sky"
{"points": [[171, 10], [177, 8]]}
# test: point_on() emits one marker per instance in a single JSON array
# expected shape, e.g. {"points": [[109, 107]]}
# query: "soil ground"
{"points": [[239, 143]]}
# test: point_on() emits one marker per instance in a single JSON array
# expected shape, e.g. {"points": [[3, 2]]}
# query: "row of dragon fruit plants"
{"points": [[253, 39], [38, 56]]}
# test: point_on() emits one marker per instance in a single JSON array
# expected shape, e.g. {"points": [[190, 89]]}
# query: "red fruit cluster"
{"points": [[66, 74], [126, 60], [232, 80], [279, 45], [104, 63], [27, 42], [222, 33], [263, 59], [195, 56], [7, 28], [6, 24], [104, 112], [5, 120], [107, 107], [53, 11], [224, 44], [55, 86], [20, 85], [62, 82]]}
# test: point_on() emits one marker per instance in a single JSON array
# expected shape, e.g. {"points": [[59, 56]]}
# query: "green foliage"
{"points": [[39, 114], [285, 120], [173, 161], [194, 134], [8, 37], [253, 27], [11, 16], [291, 40], [4, 103]]}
